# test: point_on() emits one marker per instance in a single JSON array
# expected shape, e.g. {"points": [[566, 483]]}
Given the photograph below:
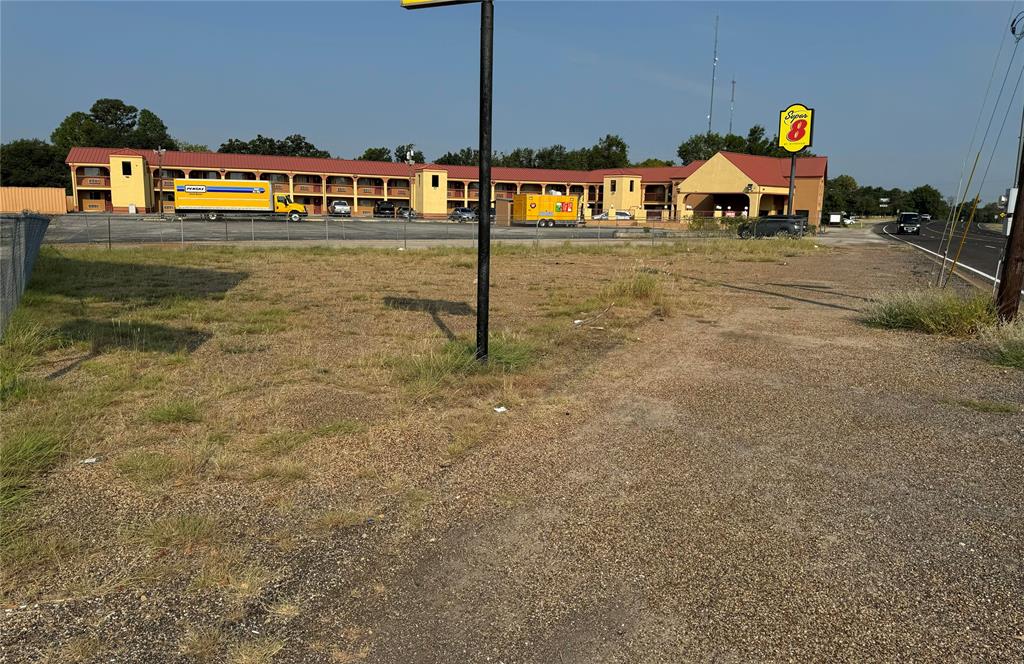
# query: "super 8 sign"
{"points": [[796, 128]]}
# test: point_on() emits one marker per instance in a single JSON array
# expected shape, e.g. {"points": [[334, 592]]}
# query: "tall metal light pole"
{"points": [[483, 255], [714, 75]]}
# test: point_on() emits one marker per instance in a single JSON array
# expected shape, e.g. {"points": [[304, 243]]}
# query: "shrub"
{"points": [[1005, 343], [933, 312]]}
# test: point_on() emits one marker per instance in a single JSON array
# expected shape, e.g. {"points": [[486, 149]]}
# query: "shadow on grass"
{"points": [[433, 307], [127, 281], [128, 335]]}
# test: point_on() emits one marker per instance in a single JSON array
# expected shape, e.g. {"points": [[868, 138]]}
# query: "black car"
{"points": [[462, 215], [384, 209], [908, 222], [774, 226]]}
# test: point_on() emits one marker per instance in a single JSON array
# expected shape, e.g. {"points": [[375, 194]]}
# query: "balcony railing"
{"points": [[306, 188], [167, 184], [93, 205], [339, 189], [93, 181], [281, 187], [456, 193], [398, 191], [655, 197], [474, 194], [504, 195], [371, 191]]}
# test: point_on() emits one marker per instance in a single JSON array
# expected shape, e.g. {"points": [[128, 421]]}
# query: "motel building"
{"points": [[121, 180]]}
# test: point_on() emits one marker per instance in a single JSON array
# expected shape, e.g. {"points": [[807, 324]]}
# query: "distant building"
{"points": [[728, 184]]}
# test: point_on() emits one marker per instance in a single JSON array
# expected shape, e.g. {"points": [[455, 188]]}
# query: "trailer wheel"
{"points": [[212, 216], [294, 217]]}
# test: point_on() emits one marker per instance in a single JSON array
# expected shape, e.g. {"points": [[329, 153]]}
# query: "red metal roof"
{"points": [[252, 162], [774, 171], [770, 171]]}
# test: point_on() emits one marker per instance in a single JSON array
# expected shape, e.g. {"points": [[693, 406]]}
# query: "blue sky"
{"points": [[897, 86]]}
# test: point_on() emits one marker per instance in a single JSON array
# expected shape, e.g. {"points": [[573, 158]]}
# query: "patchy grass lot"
{"points": [[255, 455]]}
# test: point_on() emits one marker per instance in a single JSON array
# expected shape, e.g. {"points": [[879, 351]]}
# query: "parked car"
{"points": [[908, 222], [406, 212], [340, 209], [384, 209], [620, 215], [462, 215], [773, 226]]}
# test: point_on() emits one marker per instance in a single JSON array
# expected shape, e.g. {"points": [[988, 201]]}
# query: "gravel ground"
{"points": [[762, 480]]}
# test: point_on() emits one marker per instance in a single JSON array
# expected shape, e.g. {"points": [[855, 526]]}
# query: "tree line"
{"points": [[843, 194]]}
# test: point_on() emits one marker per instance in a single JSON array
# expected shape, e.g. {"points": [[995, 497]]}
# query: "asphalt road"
{"points": [[981, 249], [84, 228]]}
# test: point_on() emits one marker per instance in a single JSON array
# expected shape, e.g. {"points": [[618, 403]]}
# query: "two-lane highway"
{"points": [[981, 251]]}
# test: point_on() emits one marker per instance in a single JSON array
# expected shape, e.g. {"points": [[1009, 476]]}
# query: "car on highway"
{"points": [[926, 217], [908, 222], [620, 215], [778, 225], [384, 209], [462, 215], [406, 212], [339, 209]]}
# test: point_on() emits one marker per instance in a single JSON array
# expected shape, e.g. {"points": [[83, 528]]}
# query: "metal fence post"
{"points": [[252, 228], [225, 229], [181, 229], [88, 229], [287, 228], [108, 232], [327, 230]]}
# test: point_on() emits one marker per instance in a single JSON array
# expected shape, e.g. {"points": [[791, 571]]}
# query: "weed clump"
{"points": [[934, 312], [1005, 344]]}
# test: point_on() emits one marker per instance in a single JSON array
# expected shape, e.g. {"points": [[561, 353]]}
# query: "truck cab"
{"points": [[283, 205]]}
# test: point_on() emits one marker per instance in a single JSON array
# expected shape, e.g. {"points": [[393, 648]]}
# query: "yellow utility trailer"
{"points": [[546, 210], [213, 198]]}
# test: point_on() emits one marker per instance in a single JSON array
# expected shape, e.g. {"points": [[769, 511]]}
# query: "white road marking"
{"points": [[948, 260]]}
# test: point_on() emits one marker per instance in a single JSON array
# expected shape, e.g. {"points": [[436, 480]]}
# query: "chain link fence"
{"points": [[20, 239]]}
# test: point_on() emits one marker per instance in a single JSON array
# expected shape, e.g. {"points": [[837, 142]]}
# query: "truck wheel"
{"points": [[294, 217], [212, 216]]}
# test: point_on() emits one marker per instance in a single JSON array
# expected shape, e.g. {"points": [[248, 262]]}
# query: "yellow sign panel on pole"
{"points": [[796, 128], [416, 4]]}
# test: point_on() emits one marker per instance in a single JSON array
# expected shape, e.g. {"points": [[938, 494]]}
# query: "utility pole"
{"points": [[732, 103], [483, 256], [714, 73], [1011, 276]]}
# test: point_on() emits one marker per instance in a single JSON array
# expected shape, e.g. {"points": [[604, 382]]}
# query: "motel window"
{"points": [[631, 186], [435, 181], [613, 186], [126, 168]]}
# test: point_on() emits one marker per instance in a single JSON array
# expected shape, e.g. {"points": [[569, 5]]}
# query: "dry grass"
{"points": [[223, 372], [260, 651], [204, 645], [934, 312], [1004, 344], [989, 406]]}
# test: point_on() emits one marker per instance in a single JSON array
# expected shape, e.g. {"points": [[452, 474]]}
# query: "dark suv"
{"points": [[384, 209], [774, 226], [908, 222]]}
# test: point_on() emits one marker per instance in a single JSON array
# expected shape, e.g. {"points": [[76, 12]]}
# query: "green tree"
{"points": [[185, 146], [702, 147], [112, 123], [464, 157], [609, 152], [840, 193], [376, 154], [926, 199], [654, 162], [402, 150], [151, 133], [29, 162], [77, 129], [295, 145]]}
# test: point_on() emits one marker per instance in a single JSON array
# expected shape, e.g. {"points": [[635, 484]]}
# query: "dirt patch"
{"points": [[734, 467]]}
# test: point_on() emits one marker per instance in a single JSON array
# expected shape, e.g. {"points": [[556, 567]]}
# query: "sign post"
{"points": [[796, 131], [483, 251]]}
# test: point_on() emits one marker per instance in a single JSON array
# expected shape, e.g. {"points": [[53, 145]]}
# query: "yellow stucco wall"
{"points": [[431, 200], [622, 198], [126, 190]]}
